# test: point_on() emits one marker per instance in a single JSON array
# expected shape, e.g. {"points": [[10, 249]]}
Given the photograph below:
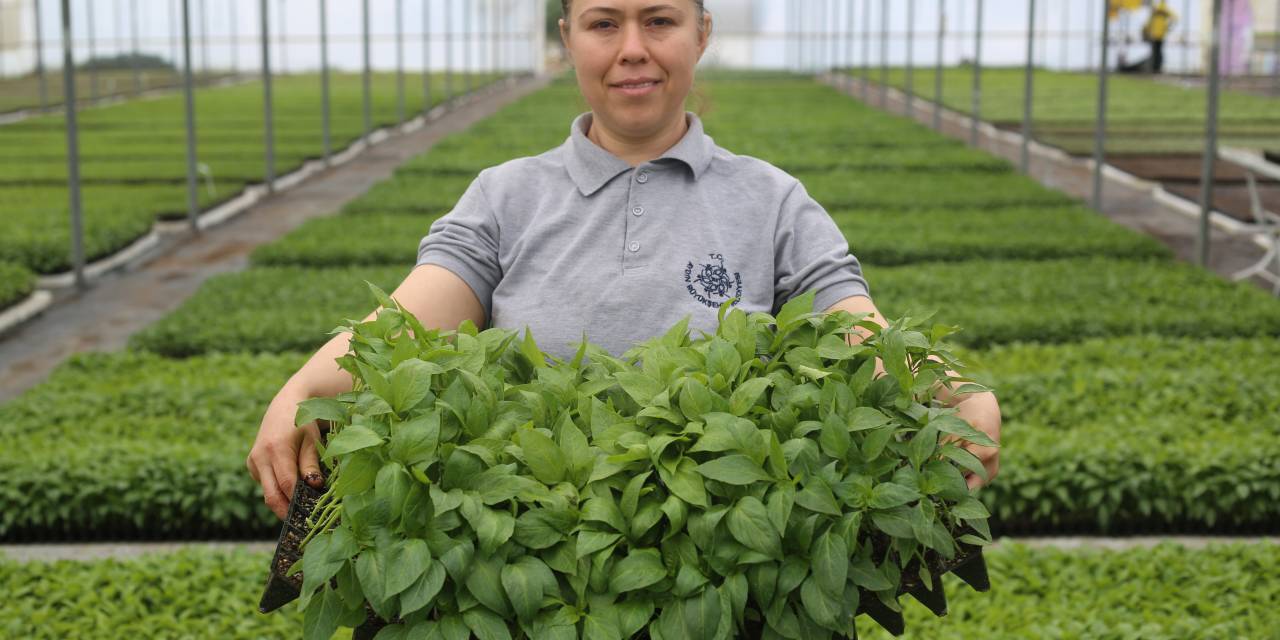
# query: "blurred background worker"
{"points": [[1154, 32]]}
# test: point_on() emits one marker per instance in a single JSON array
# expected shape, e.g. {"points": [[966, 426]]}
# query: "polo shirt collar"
{"points": [[591, 167]]}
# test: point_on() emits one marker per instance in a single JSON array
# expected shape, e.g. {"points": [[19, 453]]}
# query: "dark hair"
{"points": [[702, 10]]}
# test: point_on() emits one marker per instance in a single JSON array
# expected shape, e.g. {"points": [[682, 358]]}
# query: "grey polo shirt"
{"points": [[576, 240]]}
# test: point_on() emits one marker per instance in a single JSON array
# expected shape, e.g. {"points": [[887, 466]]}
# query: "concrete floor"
{"points": [[103, 317]]}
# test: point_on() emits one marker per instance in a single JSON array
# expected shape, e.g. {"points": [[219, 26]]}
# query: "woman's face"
{"points": [[635, 59]]}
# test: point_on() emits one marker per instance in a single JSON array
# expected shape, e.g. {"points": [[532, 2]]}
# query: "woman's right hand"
{"points": [[282, 452]]}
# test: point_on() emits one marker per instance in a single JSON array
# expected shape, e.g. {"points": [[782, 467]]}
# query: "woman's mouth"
{"points": [[635, 87]]}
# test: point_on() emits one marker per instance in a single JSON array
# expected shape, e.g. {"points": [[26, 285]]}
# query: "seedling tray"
{"points": [[282, 588]]}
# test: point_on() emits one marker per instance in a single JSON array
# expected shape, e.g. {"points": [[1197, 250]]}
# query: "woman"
{"points": [[635, 222]]}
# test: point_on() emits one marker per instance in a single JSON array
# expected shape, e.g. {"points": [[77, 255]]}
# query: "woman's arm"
{"points": [[978, 409], [437, 296]]}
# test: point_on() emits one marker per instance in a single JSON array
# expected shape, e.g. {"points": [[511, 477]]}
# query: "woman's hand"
{"points": [[982, 412], [282, 452]]}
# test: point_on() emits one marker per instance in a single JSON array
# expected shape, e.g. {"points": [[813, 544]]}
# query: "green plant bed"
{"points": [[267, 309], [427, 195], [1137, 434], [888, 238], [1167, 592], [1072, 299], [917, 190], [159, 448], [40, 239], [194, 593], [16, 283], [384, 239]]}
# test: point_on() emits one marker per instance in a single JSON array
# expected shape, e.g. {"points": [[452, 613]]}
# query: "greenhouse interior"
{"points": [[307, 326]]}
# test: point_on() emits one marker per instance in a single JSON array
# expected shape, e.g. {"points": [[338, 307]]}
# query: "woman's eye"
{"points": [[662, 22], [603, 24]]}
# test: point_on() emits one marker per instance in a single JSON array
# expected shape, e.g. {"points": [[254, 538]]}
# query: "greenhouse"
{"points": [[402, 319]]}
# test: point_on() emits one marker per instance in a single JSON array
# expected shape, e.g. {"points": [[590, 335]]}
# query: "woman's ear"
{"points": [[704, 34], [564, 37]]}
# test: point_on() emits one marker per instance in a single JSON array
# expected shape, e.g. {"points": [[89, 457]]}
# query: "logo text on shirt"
{"points": [[711, 283]]}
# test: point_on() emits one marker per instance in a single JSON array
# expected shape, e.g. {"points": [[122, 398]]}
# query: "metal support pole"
{"points": [[40, 72], [284, 40], [1211, 139], [426, 57], [1066, 36], [866, 49], [235, 36], [400, 61], [467, 8], [848, 46], [268, 123], [174, 29], [1186, 36], [448, 50], [1028, 88], [204, 37], [1275, 54], [937, 66], [324, 82], [833, 35], [73, 147], [884, 53], [1100, 130], [495, 29], [189, 106], [367, 73], [93, 67], [910, 80], [976, 116], [133, 41], [1088, 31]]}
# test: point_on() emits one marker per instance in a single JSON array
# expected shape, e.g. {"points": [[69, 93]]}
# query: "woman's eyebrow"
{"points": [[613, 12]]}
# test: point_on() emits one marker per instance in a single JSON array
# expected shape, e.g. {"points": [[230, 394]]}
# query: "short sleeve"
{"points": [[465, 241], [810, 252]]}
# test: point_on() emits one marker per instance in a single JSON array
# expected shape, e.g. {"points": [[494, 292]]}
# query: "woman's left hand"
{"points": [[982, 412]]}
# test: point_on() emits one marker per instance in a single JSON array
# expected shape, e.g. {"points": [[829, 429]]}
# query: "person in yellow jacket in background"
{"points": [[1155, 31]]}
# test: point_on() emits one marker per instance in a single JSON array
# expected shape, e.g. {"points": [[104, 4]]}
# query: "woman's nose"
{"points": [[634, 47]]}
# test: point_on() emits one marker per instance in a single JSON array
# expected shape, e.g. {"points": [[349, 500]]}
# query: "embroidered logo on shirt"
{"points": [[711, 283]]}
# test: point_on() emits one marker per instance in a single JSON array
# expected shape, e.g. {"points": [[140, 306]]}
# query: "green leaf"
{"points": [[835, 439], [824, 608], [894, 522], [639, 386], [605, 510], [371, 569], [590, 542], [957, 427], [525, 582], [887, 495], [793, 312], [695, 399], [749, 523], [544, 457], [484, 581], [329, 409], [831, 563], [685, 483], [969, 508], [747, 394], [352, 438], [530, 350], [641, 568], [922, 445], [486, 625], [542, 528], [408, 561], [410, 383], [423, 592], [875, 442], [817, 497], [324, 556], [863, 418], [734, 469], [725, 432], [321, 619], [415, 441]]}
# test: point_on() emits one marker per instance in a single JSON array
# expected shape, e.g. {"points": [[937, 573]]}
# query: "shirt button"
{"points": [[642, 178], [639, 211], [634, 246]]}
